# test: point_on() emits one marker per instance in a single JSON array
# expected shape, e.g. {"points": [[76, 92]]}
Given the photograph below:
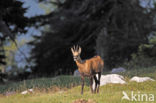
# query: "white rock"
{"points": [[76, 73], [9, 93], [141, 79], [24, 92], [118, 70], [110, 78], [30, 90], [27, 91]]}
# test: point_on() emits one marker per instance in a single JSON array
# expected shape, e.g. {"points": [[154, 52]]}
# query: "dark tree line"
{"points": [[111, 28], [12, 21]]}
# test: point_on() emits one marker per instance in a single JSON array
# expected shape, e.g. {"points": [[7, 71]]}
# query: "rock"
{"points": [[84, 101], [76, 73], [141, 79], [30, 90], [10, 93], [24, 92], [5, 80], [118, 70], [27, 91], [110, 78]]}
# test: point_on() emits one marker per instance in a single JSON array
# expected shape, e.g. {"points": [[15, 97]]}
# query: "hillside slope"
{"points": [[66, 89]]}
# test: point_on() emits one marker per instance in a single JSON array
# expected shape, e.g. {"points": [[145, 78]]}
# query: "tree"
{"points": [[12, 21], [111, 28], [129, 26]]}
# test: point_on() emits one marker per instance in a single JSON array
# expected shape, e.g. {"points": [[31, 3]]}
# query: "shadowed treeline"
{"points": [[113, 29], [120, 31]]}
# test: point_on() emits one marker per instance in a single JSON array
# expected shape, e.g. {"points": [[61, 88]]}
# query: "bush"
{"points": [[139, 61]]}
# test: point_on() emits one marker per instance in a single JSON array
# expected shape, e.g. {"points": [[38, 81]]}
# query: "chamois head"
{"points": [[76, 51]]}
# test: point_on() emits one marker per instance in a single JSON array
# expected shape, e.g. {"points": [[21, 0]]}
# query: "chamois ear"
{"points": [[72, 50], [79, 50]]}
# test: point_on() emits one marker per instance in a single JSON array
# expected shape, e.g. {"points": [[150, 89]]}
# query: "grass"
{"points": [[42, 83], [111, 93], [66, 89]]}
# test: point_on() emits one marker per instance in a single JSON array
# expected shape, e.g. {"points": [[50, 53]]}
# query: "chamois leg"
{"points": [[95, 83], [82, 86], [91, 83], [99, 76]]}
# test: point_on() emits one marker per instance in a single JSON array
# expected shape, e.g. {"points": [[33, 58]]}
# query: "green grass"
{"points": [[65, 89], [111, 93], [60, 81]]}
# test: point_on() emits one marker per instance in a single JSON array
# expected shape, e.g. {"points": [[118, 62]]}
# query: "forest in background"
{"points": [[122, 32]]}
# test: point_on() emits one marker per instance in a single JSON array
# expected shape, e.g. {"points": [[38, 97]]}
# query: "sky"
{"points": [[33, 10], [146, 3]]}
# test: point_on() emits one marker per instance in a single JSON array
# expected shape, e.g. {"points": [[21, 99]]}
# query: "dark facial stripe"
{"points": [[75, 57]]}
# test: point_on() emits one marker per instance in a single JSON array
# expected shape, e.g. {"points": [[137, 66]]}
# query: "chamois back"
{"points": [[96, 64]]}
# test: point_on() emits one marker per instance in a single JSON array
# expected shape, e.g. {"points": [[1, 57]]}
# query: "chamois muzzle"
{"points": [[75, 58]]}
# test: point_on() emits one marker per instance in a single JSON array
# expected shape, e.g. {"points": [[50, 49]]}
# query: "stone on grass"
{"points": [[27, 91], [30, 90], [141, 79], [9, 93], [118, 70], [76, 73], [84, 101], [110, 79], [24, 92]]}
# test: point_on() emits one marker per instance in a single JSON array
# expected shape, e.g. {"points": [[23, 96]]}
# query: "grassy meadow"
{"points": [[66, 89]]}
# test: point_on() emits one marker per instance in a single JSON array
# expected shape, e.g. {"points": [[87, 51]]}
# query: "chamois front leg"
{"points": [[82, 86], [91, 83]]}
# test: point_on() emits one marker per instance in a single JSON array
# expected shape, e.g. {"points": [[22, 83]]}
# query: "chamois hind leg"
{"points": [[82, 86], [99, 76], [95, 78], [91, 83]]}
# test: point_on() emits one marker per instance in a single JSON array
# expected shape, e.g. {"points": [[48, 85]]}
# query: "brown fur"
{"points": [[89, 68]]}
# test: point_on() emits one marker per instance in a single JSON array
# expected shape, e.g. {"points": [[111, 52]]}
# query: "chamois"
{"points": [[88, 68]]}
